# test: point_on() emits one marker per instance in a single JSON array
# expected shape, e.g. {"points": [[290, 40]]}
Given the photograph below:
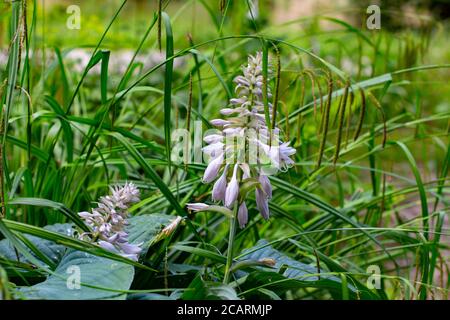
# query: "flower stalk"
{"points": [[231, 236]]}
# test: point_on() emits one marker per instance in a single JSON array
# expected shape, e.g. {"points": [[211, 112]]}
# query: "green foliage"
{"points": [[52, 251], [292, 274], [100, 279], [367, 111]]}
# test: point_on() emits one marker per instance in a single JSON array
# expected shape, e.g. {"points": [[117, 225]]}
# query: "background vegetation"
{"points": [[85, 109]]}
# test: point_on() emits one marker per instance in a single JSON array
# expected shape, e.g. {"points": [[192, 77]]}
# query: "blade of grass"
{"points": [[420, 186], [168, 87], [150, 173], [287, 187], [265, 87], [37, 202], [13, 62]]}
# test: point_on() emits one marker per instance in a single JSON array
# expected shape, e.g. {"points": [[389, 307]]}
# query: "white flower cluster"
{"points": [[78, 58], [107, 222], [243, 161]]}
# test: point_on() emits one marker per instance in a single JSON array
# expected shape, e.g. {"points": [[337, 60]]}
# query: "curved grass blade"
{"points": [[265, 86], [64, 240], [104, 75], [150, 172], [13, 62], [214, 69], [420, 186], [168, 79], [38, 202], [201, 253]]}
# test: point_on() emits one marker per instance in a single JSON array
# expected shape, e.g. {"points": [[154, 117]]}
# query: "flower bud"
{"points": [[242, 215], [213, 169], [220, 186], [197, 206], [232, 190], [262, 203]]}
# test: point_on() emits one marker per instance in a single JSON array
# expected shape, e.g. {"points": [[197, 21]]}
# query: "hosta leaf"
{"points": [[148, 296], [142, 230], [49, 248], [291, 274], [294, 269], [208, 290], [145, 229], [100, 278]]}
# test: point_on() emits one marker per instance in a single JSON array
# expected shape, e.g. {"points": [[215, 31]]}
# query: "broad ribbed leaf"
{"points": [[295, 269], [100, 278], [144, 229], [207, 290], [289, 273], [49, 248]]}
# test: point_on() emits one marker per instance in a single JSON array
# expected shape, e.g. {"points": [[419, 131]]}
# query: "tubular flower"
{"points": [[246, 142], [107, 222]]}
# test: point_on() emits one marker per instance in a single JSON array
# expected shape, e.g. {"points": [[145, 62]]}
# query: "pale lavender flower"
{"points": [[197, 206], [213, 169], [232, 190], [262, 203], [219, 122], [285, 153], [213, 138], [220, 186], [108, 246], [214, 148], [246, 170], [266, 186], [228, 111], [107, 222]]}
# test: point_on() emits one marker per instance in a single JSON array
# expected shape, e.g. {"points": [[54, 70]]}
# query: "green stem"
{"points": [[230, 244]]}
